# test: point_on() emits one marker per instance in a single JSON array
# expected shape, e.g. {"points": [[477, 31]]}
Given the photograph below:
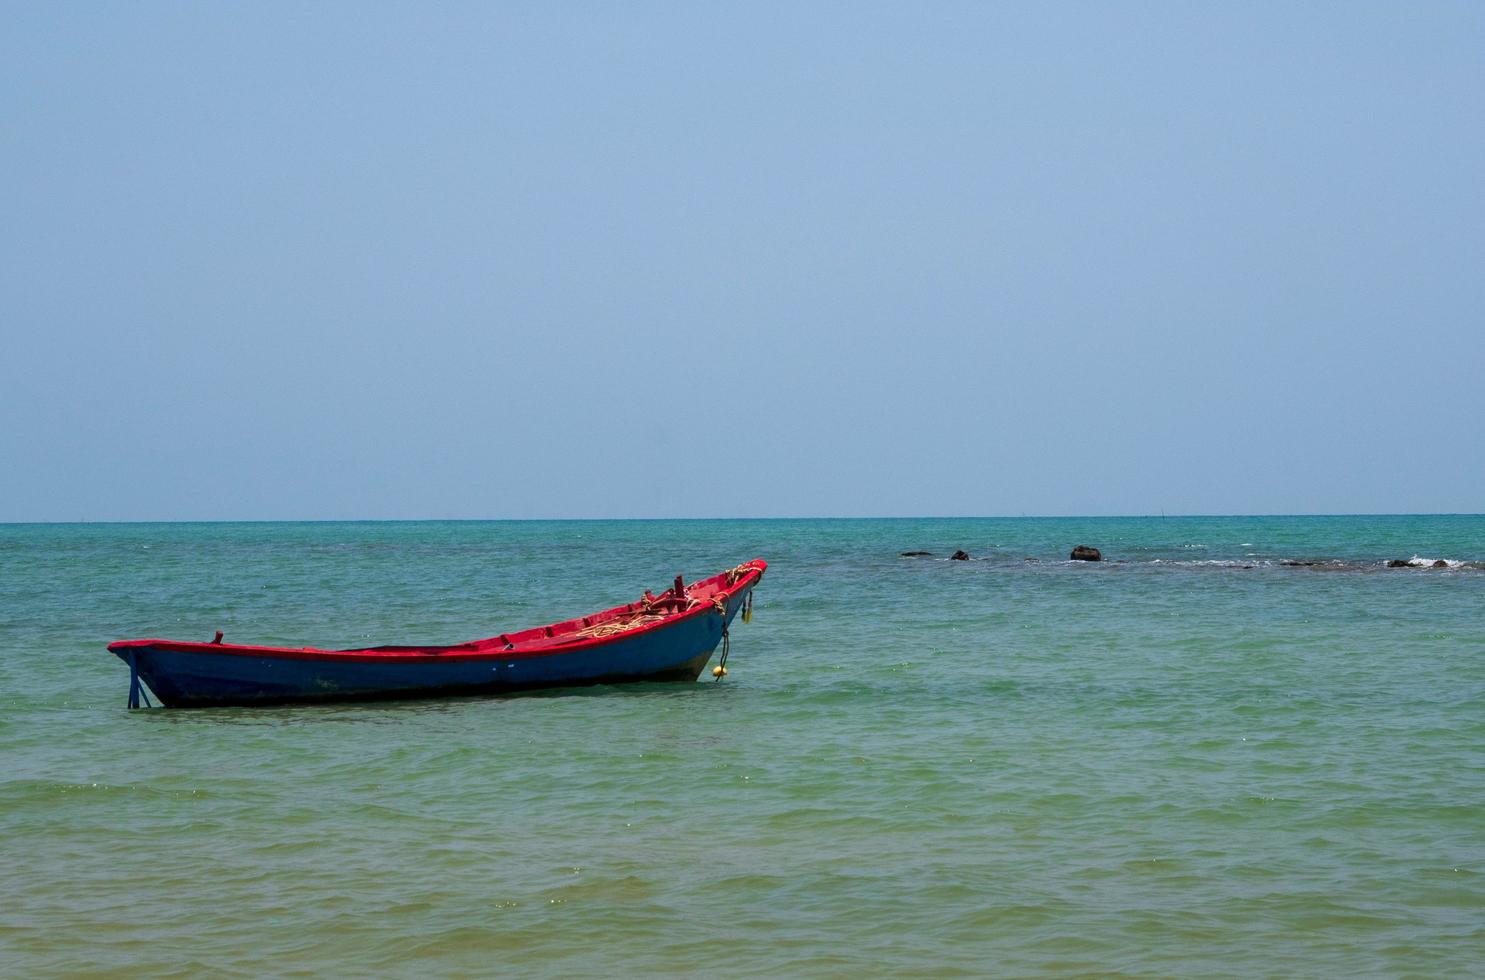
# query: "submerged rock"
{"points": [[1441, 564], [960, 556], [917, 554], [1399, 563], [1084, 553]]}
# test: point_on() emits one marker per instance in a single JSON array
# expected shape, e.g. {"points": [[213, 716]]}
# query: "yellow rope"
{"points": [[624, 624], [734, 574], [616, 626]]}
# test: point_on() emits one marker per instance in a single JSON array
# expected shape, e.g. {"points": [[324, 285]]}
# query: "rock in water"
{"points": [[1441, 564], [1399, 563], [960, 556], [917, 554], [1084, 553]]}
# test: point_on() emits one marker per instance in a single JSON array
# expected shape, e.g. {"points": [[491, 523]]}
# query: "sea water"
{"points": [[1197, 757]]}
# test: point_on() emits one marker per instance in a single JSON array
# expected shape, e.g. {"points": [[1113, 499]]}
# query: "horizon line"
{"points": [[878, 517]]}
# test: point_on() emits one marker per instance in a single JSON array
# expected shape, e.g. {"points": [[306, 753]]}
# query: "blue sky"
{"points": [[583, 260]]}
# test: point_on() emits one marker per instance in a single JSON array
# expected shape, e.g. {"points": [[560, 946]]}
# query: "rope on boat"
{"points": [[720, 671], [616, 626], [646, 614], [734, 574], [717, 602], [136, 689]]}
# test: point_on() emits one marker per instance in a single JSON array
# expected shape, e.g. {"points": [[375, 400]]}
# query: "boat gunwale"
{"points": [[470, 649]]}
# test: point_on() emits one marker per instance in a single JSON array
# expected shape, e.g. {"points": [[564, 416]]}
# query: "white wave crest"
{"points": [[1208, 563], [1419, 562]]}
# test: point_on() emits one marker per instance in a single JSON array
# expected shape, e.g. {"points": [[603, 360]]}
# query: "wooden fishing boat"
{"points": [[669, 637]]}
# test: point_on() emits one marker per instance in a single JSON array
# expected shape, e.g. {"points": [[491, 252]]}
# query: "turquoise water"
{"points": [[1190, 759]]}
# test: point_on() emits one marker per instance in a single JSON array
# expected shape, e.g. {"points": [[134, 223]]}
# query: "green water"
{"points": [[1192, 759]]}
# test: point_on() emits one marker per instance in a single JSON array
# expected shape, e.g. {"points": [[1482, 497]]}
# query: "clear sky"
{"points": [[368, 260]]}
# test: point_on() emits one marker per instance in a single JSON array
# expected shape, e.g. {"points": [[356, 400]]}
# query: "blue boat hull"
{"points": [[199, 678]]}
